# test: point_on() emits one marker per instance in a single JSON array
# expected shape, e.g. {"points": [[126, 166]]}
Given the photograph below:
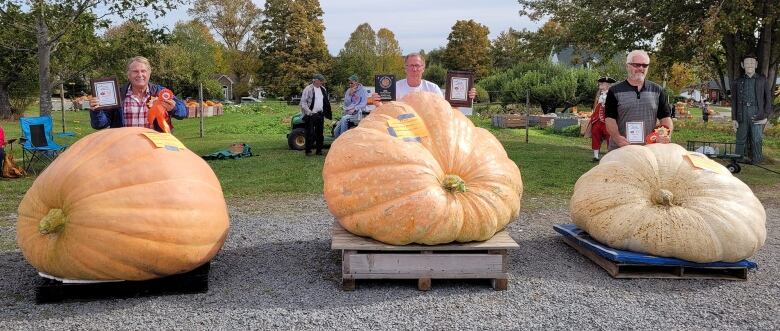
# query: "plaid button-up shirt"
{"points": [[136, 109]]}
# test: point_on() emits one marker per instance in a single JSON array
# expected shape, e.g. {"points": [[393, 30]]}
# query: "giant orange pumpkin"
{"points": [[115, 207], [454, 184]]}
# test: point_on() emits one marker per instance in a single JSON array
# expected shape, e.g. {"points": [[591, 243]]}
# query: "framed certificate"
{"points": [[106, 91], [385, 87], [459, 83], [635, 132]]}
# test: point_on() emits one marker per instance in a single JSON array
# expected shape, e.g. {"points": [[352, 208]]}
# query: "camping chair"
{"points": [[37, 142]]}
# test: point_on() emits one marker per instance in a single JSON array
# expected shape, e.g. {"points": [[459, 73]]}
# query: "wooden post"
{"points": [[200, 107], [527, 112], [62, 104]]}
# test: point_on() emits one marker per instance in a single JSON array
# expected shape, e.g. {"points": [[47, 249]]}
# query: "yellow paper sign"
{"points": [[409, 127], [701, 161], [164, 140]]}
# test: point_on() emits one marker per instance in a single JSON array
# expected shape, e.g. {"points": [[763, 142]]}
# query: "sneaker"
{"points": [[596, 160], [309, 153]]}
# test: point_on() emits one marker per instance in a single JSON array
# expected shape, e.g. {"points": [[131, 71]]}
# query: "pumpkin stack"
{"points": [[652, 199], [113, 206], [450, 182]]}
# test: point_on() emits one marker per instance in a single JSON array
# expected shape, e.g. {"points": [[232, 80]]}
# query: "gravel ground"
{"points": [[277, 271]]}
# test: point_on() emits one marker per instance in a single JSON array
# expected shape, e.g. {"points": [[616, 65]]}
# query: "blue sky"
{"points": [[416, 24]]}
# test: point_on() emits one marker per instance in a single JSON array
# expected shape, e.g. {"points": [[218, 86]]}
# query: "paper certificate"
{"points": [[105, 93], [635, 132], [459, 90]]}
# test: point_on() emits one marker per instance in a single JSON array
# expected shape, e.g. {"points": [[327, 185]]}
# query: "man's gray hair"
{"points": [[635, 53], [415, 54], [139, 59]]}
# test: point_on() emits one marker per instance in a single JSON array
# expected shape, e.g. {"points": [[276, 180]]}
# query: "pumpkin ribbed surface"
{"points": [[456, 184], [651, 199], [115, 207]]}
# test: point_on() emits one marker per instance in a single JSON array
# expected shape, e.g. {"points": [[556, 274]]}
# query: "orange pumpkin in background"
{"points": [[454, 183], [113, 206]]}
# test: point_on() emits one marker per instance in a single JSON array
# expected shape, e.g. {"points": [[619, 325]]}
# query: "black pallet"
{"points": [[53, 291]]}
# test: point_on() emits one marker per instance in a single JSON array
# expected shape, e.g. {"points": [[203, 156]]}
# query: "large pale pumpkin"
{"points": [[455, 184], [651, 199], [115, 207]]}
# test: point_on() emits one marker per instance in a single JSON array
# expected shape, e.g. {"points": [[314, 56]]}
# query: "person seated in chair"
{"points": [[355, 99], [134, 101]]}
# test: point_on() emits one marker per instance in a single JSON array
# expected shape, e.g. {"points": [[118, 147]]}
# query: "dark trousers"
{"points": [[2, 159], [314, 124]]}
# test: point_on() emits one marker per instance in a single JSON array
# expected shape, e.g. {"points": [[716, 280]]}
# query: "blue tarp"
{"points": [[629, 257]]}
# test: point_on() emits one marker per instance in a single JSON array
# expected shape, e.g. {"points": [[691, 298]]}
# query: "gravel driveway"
{"points": [[277, 271]]}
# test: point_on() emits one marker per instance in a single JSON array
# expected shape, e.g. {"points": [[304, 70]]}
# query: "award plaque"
{"points": [[106, 91], [458, 85], [385, 87]]}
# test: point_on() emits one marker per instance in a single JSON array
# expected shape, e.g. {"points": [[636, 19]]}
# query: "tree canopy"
{"points": [[468, 48], [718, 32]]}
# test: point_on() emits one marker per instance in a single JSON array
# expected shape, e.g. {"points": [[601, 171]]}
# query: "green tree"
{"points": [[293, 45], [236, 23], [550, 85], [435, 73], [722, 31], [359, 55], [17, 63], [390, 60], [114, 53], [468, 48], [56, 18], [508, 49], [204, 59]]}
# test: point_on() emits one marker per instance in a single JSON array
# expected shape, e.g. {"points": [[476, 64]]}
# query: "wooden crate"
{"points": [[365, 258], [54, 291], [509, 121]]}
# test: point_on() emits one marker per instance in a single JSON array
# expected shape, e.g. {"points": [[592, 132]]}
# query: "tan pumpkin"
{"points": [[651, 199], [113, 207], [455, 184]]}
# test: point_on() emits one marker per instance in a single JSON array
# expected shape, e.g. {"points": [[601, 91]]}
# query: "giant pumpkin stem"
{"points": [[663, 197], [453, 183], [53, 222]]}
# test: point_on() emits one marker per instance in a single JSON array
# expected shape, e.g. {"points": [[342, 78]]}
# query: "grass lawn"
{"points": [[550, 163]]}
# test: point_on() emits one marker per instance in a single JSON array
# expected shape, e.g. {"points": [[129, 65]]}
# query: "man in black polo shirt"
{"points": [[634, 105]]}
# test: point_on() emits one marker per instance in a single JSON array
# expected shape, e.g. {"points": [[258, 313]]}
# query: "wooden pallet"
{"points": [[664, 268], [365, 258], [53, 291]]}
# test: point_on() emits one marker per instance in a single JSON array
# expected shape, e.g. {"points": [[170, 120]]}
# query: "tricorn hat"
{"points": [[606, 79]]}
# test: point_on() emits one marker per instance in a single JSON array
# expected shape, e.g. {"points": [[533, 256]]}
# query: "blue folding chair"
{"points": [[38, 144]]}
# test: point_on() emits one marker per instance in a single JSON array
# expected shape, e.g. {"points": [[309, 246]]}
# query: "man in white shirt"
{"points": [[414, 65], [315, 106]]}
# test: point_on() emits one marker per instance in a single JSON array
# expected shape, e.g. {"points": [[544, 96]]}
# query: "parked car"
{"points": [[249, 99]]}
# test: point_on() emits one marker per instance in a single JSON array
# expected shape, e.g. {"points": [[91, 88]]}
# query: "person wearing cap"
{"points": [[635, 105], [355, 99], [751, 103], [597, 124], [315, 106]]}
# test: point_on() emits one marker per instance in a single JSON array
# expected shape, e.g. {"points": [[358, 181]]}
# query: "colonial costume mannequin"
{"points": [[598, 128], [750, 105]]}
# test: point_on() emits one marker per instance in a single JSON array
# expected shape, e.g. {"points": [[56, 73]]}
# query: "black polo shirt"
{"points": [[627, 104]]}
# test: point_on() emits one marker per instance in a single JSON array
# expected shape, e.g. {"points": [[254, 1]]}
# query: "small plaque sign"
{"points": [[385, 87], [459, 83], [106, 91]]}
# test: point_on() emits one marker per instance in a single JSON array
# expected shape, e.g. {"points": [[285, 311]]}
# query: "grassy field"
{"points": [[550, 163]]}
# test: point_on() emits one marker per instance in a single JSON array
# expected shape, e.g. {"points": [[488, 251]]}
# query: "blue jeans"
{"points": [[343, 124]]}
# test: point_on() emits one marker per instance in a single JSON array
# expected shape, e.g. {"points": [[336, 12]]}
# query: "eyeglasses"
{"points": [[640, 65], [415, 66]]}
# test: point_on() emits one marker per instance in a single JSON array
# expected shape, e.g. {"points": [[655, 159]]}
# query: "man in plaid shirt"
{"points": [[135, 98]]}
